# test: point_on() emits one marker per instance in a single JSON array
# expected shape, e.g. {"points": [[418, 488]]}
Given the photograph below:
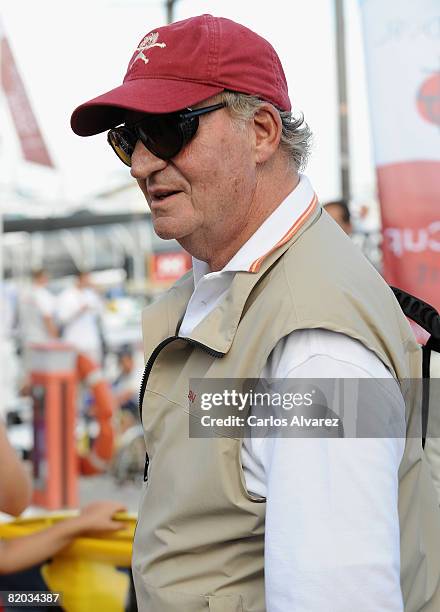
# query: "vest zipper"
{"points": [[155, 354], [149, 366]]}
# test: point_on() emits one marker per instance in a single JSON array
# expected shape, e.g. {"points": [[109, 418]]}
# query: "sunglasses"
{"points": [[164, 135]]}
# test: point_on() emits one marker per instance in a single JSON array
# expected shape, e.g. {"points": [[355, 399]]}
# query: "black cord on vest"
{"points": [[427, 317], [419, 311], [426, 366]]}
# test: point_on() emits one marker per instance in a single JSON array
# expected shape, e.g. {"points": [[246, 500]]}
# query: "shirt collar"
{"points": [[275, 231]]}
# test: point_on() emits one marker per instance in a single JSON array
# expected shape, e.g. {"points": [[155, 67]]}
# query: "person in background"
{"points": [[37, 310], [36, 320], [127, 383], [15, 483], [25, 552], [128, 462], [79, 311], [12, 371], [15, 495], [339, 210]]}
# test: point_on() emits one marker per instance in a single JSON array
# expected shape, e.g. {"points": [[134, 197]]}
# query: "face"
{"points": [[126, 363], [83, 280], [42, 279], [203, 195]]}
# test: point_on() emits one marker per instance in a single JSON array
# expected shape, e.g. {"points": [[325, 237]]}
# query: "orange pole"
{"points": [[55, 457]]}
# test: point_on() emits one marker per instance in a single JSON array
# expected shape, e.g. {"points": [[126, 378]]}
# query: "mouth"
{"points": [[161, 196]]}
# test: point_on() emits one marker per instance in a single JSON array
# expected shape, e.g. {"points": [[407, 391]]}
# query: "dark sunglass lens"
{"points": [[188, 128], [122, 144], [161, 135]]}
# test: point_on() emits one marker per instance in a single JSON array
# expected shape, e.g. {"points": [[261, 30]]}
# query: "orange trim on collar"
{"points": [[255, 266]]}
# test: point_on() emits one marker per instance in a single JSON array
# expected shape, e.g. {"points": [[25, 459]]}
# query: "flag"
{"points": [[402, 51], [31, 139]]}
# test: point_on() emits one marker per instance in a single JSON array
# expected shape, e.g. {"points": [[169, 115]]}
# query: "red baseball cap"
{"points": [[181, 64]]}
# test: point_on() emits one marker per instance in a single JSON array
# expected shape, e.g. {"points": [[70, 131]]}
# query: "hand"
{"points": [[97, 517]]}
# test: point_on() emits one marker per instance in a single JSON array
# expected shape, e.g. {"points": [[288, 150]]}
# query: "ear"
{"points": [[267, 127]]}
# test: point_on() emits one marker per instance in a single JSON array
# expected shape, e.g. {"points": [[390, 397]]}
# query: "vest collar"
{"points": [[272, 233], [218, 329]]}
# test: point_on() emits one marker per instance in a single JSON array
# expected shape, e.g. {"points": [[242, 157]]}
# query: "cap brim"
{"points": [[141, 95]]}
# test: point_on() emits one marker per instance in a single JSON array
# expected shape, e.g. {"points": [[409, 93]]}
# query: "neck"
{"points": [[267, 197]]}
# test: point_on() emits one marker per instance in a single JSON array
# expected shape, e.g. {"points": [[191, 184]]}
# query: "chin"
{"points": [[169, 229], [165, 235]]}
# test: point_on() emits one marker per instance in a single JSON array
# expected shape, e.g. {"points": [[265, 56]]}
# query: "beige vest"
{"points": [[200, 535]]}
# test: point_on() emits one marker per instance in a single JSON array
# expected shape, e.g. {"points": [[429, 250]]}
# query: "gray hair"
{"points": [[296, 136]]}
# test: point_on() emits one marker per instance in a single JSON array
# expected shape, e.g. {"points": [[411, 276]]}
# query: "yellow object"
{"points": [[85, 571]]}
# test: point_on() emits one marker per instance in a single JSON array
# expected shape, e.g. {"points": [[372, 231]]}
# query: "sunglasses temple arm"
{"points": [[202, 111]]}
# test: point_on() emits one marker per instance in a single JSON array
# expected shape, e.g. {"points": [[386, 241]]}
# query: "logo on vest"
{"points": [[192, 396], [148, 42]]}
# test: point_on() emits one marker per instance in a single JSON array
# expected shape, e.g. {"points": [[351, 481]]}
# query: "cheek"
{"points": [[231, 166], [143, 188], [223, 169]]}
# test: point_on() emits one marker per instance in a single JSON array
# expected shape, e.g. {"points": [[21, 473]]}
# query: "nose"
{"points": [[144, 163]]}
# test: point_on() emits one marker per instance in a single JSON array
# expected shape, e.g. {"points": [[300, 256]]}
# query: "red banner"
{"points": [[169, 267], [401, 48], [409, 193], [31, 140]]}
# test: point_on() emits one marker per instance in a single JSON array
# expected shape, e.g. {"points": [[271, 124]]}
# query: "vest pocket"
{"points": [[156, 599], [225, 603]]}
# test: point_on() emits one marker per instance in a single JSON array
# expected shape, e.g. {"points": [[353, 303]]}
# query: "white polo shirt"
{"points": [[332, 537], [36, 303]]}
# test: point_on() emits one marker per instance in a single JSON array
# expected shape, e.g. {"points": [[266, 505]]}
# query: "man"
{"points": [[36, 320], [79, 310], [339, 211], [126, 385], [277, 524], [128, 462], [37, 310]]}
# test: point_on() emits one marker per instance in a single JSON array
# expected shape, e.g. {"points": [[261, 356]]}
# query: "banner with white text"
{"points": [[402, 50]]}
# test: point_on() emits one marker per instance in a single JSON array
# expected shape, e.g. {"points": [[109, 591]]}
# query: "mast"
{"points": [[169, 4], [344, 150]]}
